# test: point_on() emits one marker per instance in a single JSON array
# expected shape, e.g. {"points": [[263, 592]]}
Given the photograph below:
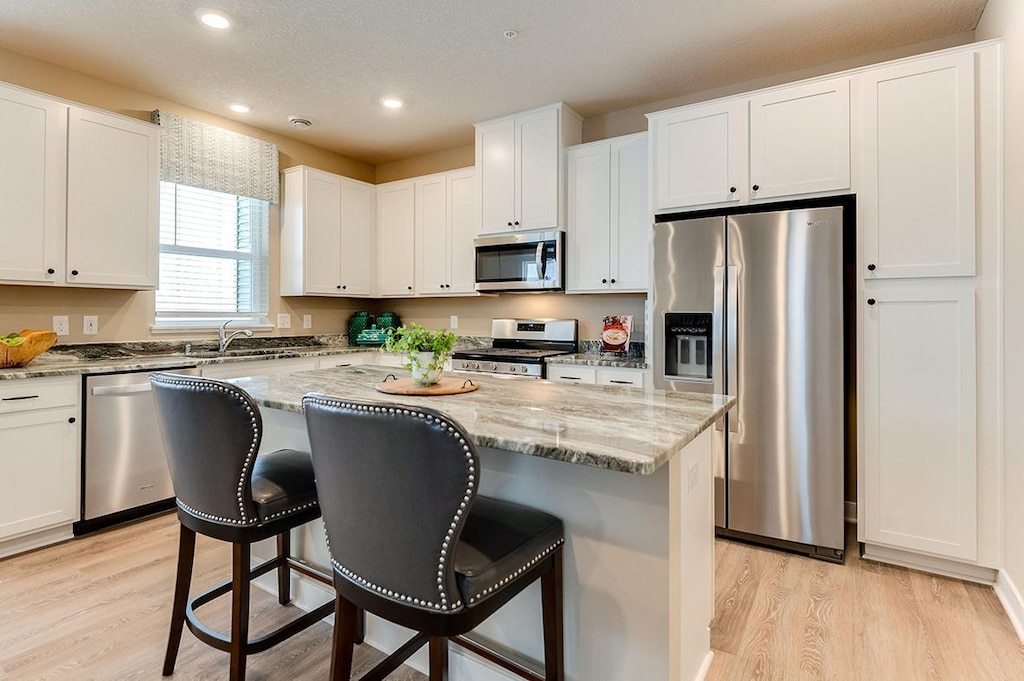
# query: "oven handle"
{"points": [[540, 260]]}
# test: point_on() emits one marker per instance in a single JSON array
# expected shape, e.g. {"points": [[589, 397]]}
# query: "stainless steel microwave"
{"points": [[521, 261]]}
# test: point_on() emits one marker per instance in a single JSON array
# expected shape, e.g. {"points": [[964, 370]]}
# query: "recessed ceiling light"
{"points": [[213, 19], [392, 102], [238, 107]]}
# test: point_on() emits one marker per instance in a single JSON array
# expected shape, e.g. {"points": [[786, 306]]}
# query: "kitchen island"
{"points": [[629, 472]]}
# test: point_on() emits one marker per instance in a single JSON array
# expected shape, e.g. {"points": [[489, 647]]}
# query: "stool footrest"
{"points": [[500, 657], [393, 661]]}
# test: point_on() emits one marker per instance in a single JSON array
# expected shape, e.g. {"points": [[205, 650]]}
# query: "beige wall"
{"points": [[1005, 19], [475, 314], [628, 121], [450, 159]]}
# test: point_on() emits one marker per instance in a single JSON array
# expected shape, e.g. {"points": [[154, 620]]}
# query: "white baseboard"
{"points": [[1013, 604], [850, 508], [35, 540], [936, 566], [705, 667]]}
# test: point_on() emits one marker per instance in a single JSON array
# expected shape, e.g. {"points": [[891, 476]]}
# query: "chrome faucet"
{"points": [[225, 338]]}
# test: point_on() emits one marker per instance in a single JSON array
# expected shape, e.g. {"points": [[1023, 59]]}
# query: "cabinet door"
{"points": [[431, 236], [918, 443], [322, 245], [589, 218], [357, 220], [537, 177], [38, 470], [496, 175], [800, 139], [33, 134], [630, 235], [396, 239], [113, 201], [699, 155], [916, 188], [462, 229], [633, 378]]}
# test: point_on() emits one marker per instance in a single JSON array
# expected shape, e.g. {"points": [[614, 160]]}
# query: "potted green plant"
{"points": [[425, 350]]}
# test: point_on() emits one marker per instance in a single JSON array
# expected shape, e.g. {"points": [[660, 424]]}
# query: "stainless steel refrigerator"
{"points": [[752, 305]]}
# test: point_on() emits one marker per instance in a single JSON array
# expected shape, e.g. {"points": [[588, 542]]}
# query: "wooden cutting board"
{"points": [[445, 386]]}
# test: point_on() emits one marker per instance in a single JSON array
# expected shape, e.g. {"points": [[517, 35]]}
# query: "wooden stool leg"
{"points": [[360, 625], [346, 617], [284, 581], [186, 554], [438, 658], [239, 610], [551, 603]]}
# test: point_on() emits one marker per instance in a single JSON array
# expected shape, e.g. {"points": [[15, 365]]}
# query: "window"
{"points": [[213, 257]]}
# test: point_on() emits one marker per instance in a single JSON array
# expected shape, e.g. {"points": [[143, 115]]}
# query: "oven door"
{"points": [[520, 261]]}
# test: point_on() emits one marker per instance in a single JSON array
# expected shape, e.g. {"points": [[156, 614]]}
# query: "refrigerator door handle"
{"points": [[732, 343], [717, 315]]}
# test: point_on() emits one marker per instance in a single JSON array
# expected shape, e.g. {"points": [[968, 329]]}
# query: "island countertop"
{"points": [[620, 429]]}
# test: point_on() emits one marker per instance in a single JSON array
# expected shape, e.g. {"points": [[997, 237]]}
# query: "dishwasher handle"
{"points": [[120, 389]]}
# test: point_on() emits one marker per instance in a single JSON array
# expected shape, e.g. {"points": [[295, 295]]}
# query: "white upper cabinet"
{"points": [[33, 137], [520, 172], [916, 185], [395, 238], [327, 226], [800, 140], [431, 235], [783, 142], [445, 229], [80, 205], [608, 218], [113, 201], [699, 154]]}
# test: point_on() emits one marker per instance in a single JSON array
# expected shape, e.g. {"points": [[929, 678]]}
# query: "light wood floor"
{"points": [[96, 609]]}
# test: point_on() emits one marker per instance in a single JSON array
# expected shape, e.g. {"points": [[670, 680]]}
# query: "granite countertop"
{"points": [[103, 358], [600, 360], [619, 429]]}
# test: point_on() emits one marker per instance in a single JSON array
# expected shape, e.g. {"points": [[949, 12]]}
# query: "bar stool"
{"points": [[212, 432], [412, 542]]}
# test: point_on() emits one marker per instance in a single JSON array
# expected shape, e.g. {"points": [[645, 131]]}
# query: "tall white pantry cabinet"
{"points": [[918, 141]]}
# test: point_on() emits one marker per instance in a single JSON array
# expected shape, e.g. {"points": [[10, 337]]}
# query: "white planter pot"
{"points": [[419, 364]]}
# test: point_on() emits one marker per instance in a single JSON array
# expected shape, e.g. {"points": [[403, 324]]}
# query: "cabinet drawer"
{"points": [[572, 374], [624, 377], [38, 393]]}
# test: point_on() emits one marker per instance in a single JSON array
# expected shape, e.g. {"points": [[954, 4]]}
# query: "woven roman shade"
{"points": [[200, 155]]}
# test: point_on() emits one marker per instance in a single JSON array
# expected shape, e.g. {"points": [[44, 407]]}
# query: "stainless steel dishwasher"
{"points": [[124, 472]]}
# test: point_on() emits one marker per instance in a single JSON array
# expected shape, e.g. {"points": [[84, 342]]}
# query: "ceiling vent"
{"points": [[300, 123]]}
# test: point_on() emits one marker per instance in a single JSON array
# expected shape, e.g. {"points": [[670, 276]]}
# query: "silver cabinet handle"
{"points": [[621, 382], [121, 389], [570, 378], [20, 397]]}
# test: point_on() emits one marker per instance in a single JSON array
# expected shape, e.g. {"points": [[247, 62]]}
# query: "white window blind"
{"points": [[213, 256]]}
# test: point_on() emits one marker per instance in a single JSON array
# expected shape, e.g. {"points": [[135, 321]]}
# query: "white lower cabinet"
{"points": [[39, 461], [574, 373], [919, 452]]}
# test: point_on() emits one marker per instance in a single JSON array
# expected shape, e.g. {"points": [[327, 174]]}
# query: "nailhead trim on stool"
{"points": [[443, 552]]}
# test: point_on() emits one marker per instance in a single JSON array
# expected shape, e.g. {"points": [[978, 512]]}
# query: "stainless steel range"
{"points": [[520, 347]]}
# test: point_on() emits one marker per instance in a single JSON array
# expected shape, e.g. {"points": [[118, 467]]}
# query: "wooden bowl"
{"points": [[35, 344]]}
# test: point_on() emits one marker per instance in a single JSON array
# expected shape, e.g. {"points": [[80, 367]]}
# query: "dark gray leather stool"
{"points": [[412, 542], [212, 432]]}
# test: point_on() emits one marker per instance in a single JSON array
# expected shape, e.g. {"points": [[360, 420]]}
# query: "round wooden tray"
{"points": [[445, 386]]}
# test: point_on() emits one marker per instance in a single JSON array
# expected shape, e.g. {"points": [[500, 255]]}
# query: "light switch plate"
{"points": [[61, 325], [90, 324], [307, 321], [453, 322], [284, 321]]}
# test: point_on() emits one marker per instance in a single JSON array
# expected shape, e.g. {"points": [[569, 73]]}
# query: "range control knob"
{"points": [[476, 365], [524, 369], [494, 366]]}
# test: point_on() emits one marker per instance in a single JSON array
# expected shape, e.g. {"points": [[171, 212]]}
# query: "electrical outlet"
{"points": [[453, 323], [61, 325], [284, 321], [307, 321], [90, 324]]}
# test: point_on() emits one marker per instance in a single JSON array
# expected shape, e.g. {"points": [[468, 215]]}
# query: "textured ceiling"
{"points": [[332, 60]]}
